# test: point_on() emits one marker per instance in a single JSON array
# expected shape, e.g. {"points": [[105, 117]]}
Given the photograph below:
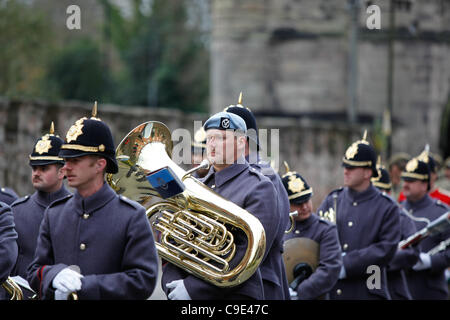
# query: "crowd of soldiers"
{"points": [[93, 243]]}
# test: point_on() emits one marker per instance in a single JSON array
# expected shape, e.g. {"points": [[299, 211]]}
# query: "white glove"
{"points": [[67, 281], [178, 291], [293, 293], [423, 263], [61, 295], [343, 273]]}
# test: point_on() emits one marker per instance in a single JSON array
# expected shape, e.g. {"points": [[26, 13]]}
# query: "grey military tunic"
{"points": [[253, 192], [369, 231], [402, 260], [323, 279], [430, 283], [7, 195], [273, 270], [8, 245], [107, 236], [28, 213]]}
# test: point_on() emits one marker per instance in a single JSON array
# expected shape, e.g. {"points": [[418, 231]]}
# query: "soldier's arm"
{"points": [[441, 260], [42, 271], [8, 242], [380, 252], [326, 275]]}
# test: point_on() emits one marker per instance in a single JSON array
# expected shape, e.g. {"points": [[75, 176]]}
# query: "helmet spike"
{"points": [[365, 135], [94, 110], [52, 128], [286, 166], [240, 98]]}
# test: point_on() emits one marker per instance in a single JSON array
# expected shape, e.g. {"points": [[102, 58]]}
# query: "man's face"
{"points": [[414, 190], [355, 177], [222, 147], [304, 210], [80, 171], [47, 178]]}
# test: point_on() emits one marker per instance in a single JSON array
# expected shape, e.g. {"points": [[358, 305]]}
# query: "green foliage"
{"points": [[24, 42], [77, 72], [445, 130]]}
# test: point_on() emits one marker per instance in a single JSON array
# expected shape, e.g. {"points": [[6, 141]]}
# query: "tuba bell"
{"points": [[193, 228]]}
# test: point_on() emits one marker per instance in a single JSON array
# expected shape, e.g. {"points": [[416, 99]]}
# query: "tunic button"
{"points": [[297, 232], [355, 204], [350, 223], [82, 246], [345, 246], [339, 292], [85, 216], [213, 186]]}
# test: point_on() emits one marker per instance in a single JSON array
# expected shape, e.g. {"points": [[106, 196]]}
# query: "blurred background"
{"points": [[312, 69]]}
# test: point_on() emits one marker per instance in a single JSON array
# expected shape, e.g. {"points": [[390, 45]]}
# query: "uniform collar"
{"points": [[95, 201], [367, 194], [226, 174], [422, 203], [45, 198], [305, 224]]}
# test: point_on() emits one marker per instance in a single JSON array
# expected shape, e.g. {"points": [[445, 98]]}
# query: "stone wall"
{"points": [[313, 148]]}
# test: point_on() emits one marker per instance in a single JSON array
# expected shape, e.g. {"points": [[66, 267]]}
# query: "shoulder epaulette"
{"points": [[387, 196], [130, 202], [58, 201], [20, 200], [8, 192], [255, 172], [340, 189], [441, 204]]}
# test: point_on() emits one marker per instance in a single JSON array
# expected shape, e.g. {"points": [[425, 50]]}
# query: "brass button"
{"points": [[355, 204], [82, 246], [339, 292], [85, 216], [345, 246], [350, 224]]}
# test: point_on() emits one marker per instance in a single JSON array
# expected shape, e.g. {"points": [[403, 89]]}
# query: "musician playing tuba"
{"points": [[231, 177], [316, 270]]}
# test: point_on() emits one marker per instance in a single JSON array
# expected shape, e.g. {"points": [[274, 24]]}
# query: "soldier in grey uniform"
{"points": [[94, 242], [8, 245], [47, 178], [426, 278], [273, 270], [368, 226], [311, 226], [403, 258], [7, 195], [230, 176]]}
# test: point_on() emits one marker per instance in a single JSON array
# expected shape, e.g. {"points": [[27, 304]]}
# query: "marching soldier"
{"points": [[47, 178], [7, 195], [273, 270], [8, 245], [230, 176], [397, 164], [367, 223], [426, 279], [94, 242], [403, 258], [309, 225]]}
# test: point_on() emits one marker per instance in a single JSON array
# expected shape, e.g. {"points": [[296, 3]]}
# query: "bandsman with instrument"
{"points": [[368, 226], [93, 244], [312, 251], [404, 258], [232, 178], [426, 278], [47, 178], [273, 270]]}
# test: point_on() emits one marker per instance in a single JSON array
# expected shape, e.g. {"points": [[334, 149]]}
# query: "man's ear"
{"points": [[101, 164]]}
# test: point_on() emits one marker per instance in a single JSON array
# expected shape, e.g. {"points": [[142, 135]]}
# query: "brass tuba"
{"points": [[13, 289], [194, 225]]}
